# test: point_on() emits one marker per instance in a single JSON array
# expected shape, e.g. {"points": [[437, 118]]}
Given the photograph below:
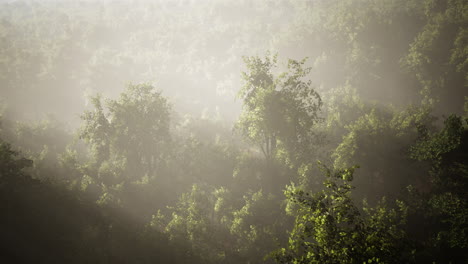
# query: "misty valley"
{"points": [[222, 131]]}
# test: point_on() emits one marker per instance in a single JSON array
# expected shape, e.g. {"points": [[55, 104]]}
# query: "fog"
{"points": [[222, 131], [190, 50]]}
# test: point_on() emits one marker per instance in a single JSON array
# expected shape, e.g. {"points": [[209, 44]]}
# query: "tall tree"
{"points": [[278, 110], [133, 129]]}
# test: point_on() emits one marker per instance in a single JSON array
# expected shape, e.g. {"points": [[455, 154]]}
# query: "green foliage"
{"points": [[441, 203], [433, 147], [133, 130], [329, 228], [221, 228], [193, 160], [438, 54], [11, 165], [258, 226], [43, 142], [278, 110], [198, 221], [381, 137]]}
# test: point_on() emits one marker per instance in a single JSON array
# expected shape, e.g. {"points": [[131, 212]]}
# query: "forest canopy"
{"points": [[276, 131]]}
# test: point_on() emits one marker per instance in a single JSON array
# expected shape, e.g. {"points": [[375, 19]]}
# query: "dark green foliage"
{"points": [[223, 228], [45, 224], [381, 137], [438, 55], [10, 165], [329, 228], [441, 203]]}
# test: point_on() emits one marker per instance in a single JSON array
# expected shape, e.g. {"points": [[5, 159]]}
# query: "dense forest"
{"points": [[222, 131]]}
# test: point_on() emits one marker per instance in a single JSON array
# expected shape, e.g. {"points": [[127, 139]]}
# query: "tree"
{"points": [[221, 228], [11, 166], [277, 109], [133, 129], [438, 55], [440, 206], [380, 139], [329, 228]]}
